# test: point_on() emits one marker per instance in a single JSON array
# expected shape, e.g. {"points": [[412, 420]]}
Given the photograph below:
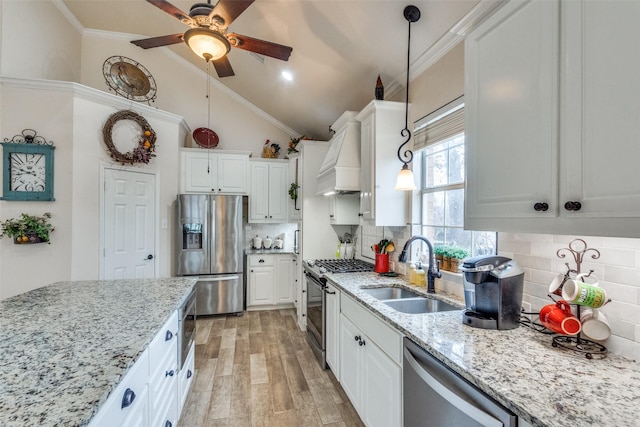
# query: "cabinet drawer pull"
{"points": [[168, 336], [261, 261], [541, 206], [168, 424], [169, 373], [189, 373], [573, 206], [127, 398]]}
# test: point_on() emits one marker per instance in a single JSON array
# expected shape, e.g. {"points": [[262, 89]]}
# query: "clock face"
{"points": [[27, 172]]}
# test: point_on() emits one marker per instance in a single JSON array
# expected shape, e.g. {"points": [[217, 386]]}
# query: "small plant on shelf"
{"points": [[27, 228]]}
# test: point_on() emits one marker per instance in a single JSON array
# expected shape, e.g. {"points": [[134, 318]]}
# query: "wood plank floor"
{"points": [[258, 370]]}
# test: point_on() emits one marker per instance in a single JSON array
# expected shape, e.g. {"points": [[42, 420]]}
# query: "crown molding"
{"points": [[94, 95]]}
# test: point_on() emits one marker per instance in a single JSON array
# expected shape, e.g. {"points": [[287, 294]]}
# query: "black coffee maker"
{"points": [[492, 292]]}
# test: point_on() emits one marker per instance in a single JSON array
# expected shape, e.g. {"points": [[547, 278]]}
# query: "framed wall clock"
{"points": [[27, 168], [129, 78]]}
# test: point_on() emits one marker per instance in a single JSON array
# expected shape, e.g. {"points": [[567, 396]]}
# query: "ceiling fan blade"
{"points": [[262, 47], [229, 10], [158, 41], [223, 67], [173, 11]]}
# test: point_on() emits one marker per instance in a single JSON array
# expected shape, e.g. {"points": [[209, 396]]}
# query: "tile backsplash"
{"points": [[617, 268]]}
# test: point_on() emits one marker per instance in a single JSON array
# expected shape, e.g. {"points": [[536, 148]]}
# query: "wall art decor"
{"points": [[27, 167], [128, 78], [144, 151]]}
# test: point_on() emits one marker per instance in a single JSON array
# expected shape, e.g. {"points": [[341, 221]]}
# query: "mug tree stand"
{"points": [[577, 249]]}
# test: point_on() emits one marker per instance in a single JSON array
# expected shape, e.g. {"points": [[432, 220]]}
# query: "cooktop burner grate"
{"points": [[344, 265]]}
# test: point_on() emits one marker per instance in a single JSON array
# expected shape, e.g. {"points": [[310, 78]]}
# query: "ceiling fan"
{"points": [[207, 36]]}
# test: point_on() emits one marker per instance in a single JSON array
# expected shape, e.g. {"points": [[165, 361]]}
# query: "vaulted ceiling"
{"points": [[339, 48]]}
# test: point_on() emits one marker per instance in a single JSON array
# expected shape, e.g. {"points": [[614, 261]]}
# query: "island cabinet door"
{"points": [[128, 404], [163, 381]]}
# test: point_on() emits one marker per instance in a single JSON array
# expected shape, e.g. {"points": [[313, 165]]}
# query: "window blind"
{"points": [[443, 123]]}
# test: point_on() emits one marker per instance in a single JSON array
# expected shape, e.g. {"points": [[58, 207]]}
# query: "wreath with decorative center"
{"points": [[146, 147]]}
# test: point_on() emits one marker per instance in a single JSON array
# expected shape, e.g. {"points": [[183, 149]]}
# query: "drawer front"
{"points": [[166, 341], [260, 260], [130, 393], [185, 378], [385, 337], [165, 413]]}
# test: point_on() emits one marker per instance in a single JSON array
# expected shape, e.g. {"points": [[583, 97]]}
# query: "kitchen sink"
{"points": [[420, 305], [390, 293]]}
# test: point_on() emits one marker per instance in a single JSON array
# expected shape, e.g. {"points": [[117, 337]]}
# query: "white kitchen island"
{"points": [[65, 347]]}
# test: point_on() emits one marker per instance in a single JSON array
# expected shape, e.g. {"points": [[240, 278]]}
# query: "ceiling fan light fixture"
{"points": [[206, 43]]}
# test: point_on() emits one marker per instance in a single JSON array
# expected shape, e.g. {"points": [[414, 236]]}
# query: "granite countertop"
{"points": [[519, 368], [64, 347]]}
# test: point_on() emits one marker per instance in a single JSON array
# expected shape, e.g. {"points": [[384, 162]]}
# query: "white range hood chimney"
{"points": [[340, 170]]}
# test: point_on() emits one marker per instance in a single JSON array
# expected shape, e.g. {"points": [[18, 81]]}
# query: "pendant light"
{"points": [[405, 181]]}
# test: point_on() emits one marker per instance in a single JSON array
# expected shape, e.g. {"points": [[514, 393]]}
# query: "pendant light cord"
{"points": [[208, 92], [408, 154]]}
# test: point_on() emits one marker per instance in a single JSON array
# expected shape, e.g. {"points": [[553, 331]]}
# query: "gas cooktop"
{"points": [[340, 265]]}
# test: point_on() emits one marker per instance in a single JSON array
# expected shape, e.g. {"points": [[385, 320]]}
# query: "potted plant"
{"points": [[27, 228], [457, 254], [438, 252]]}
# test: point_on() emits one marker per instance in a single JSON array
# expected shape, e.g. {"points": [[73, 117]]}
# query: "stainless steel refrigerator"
{"points": [[211, 247]]}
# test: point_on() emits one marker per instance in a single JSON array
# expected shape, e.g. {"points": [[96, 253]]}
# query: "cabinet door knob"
{"points": [[169, 373], [541, 206], [357, 338], [361, 343], [127, 398], [573, 206]]}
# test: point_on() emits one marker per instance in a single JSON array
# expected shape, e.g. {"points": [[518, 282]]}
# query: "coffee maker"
{"points": [[492, 292]]}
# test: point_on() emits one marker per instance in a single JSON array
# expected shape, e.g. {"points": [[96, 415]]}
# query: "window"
{"points": [[439, 144]]}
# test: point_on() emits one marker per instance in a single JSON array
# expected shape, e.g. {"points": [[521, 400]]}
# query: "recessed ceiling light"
{"points": [[287, 75]]}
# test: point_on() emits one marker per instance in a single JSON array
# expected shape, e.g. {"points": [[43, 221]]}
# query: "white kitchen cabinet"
{"points": [[370, 365], [269, 191], [549, 104], [129, 402], [381, 124], [332, 328], [261, 280], [344, 209], [285, 279], [206, 171], [185, 377], [295, 206], [163, 380], [271, 280]]}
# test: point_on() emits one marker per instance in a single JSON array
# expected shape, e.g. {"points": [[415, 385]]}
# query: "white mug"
{"points": [[595, 324], [556, 284], [589, 279]]}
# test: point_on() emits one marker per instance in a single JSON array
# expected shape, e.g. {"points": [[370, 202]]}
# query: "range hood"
{"points": [[340, 169]]}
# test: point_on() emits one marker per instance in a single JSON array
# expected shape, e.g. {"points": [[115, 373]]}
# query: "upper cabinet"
{"points": [[381, 124], [551, 115], [344, 209], [206, 171], [269, 191]]}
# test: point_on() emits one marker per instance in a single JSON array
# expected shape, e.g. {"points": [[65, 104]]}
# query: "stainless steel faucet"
{"points": [[434, 267]]}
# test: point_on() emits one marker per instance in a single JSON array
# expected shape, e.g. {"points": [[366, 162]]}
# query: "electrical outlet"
{"points": [[402, 268], [392, 266], [526, 308]]}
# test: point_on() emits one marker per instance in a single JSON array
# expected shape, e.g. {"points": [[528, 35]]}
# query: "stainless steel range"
{"points": [[316, 297]]}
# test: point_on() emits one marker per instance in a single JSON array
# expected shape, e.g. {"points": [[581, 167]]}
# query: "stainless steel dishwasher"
{"points": [[435, 396]]}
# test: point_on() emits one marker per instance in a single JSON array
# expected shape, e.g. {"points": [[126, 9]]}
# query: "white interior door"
{"points": [[129, 224]]}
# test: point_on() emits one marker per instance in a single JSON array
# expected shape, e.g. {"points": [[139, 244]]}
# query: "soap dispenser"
{"points": [[412, 273], [420, 276]]}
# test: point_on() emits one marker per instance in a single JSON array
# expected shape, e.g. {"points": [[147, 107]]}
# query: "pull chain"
{"points": [[208, 118]]}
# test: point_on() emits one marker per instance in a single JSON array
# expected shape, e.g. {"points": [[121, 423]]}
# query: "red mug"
{"points": [[559, 318]]}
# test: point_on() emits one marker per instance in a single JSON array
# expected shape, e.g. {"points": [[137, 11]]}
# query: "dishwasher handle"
{"points": [[451, 397]]}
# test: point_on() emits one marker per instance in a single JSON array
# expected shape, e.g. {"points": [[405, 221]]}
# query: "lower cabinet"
{"points": [[153, 392], [370, 371], [271, 280]]}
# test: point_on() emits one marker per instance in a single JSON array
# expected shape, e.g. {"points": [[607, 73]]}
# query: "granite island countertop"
{"points": [[65, 347], [519, 368]]}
